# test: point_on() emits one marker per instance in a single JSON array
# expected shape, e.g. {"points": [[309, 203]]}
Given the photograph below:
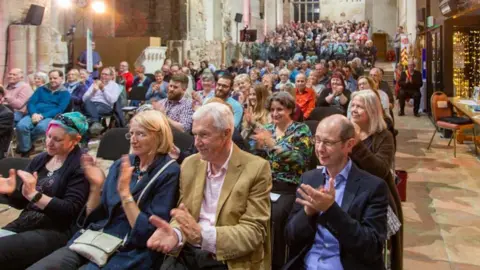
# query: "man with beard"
{"points": [[223, 91], [178, 109]]}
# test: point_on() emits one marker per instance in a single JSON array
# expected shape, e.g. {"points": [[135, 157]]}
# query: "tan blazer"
{"points": [[243, 210]]}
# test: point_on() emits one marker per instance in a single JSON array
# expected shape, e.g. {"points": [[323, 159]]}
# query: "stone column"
{"points": [[246, 13], [44, 42], [17, 47], [4, 18], [31, 49], [411, 22]]}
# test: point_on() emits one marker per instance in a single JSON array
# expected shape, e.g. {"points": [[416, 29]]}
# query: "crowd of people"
{"points": [[312, 41], [291, 167]]}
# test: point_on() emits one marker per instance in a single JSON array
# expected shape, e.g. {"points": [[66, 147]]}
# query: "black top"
{"points": [[68, 188]]}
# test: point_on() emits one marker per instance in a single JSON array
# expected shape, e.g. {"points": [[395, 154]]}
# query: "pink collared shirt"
{"points": [[208, 210]]}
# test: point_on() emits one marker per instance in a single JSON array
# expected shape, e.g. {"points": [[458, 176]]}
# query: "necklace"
{"points": [[137, 170]]}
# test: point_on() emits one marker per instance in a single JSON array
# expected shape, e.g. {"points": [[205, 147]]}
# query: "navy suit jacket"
{"points": [[359, 224]]}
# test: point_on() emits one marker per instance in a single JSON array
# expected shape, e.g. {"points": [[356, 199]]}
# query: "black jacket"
{"points": [[413, 86], [6, 129], [70, 193], [359, 224]]}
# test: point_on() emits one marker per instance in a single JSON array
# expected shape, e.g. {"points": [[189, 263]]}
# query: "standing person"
{"points": [[397, 43], [410, 84], [96, 60]]}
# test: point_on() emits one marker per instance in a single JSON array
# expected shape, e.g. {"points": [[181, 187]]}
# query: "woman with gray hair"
{"points": [[374, 152], [287, 145], [39, 79]]}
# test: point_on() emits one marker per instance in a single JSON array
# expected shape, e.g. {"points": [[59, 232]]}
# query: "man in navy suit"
{"points": [[339, 220]]}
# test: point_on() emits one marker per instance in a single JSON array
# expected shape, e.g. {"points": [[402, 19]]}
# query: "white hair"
{"points": [[221, 114]]}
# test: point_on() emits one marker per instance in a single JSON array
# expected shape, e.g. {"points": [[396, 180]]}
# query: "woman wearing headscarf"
{"points": [[52, 193]]}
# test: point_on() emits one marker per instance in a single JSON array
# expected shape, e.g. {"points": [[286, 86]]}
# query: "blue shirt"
{"points": [[325, 251], [351, 84], [95, 60]]}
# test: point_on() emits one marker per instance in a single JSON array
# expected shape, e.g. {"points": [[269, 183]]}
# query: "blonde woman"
{"points": [[243, 84], [112, 202], [374, 152], [255, 115]]}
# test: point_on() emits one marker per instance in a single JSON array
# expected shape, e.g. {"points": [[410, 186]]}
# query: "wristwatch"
{"points": [[37, 197]]}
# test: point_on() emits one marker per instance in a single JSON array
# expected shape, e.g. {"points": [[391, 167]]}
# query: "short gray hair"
{"points": [[221, 114], [42, 75]]}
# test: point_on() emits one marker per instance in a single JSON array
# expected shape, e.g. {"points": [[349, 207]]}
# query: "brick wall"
{"points": [[161, 18]]}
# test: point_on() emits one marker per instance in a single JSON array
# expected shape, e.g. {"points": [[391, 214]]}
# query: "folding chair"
{"points": [[137, 93], [113, 144], [443, 118]]}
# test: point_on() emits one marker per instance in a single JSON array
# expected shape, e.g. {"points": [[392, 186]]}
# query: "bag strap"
{"points": [[154, 178]]}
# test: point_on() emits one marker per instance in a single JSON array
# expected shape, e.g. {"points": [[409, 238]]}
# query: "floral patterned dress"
{"points": [[290, 157]]}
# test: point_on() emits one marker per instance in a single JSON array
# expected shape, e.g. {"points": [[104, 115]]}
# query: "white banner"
{"points": [[89, 51]]}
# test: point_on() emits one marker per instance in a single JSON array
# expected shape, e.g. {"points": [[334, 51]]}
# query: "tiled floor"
{"points": [[442, 212]]}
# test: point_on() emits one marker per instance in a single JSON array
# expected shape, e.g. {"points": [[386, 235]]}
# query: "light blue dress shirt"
{"points": [[325, 251], [237, 109]]}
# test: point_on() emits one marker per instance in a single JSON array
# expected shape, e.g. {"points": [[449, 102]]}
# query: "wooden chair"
{"points": [[444, 118]]}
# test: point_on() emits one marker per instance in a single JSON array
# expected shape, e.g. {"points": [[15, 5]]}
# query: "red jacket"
{"points": [[128, 77]]}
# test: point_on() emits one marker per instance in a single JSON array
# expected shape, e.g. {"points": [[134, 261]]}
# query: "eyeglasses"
{"points": [[106, 74], [137, 134], [67, 122], [326, 143]]}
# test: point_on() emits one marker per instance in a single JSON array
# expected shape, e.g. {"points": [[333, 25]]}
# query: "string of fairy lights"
{"points": [[466, 61]]}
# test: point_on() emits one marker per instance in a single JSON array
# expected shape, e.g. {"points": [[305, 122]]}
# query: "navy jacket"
{"points": [[70, 193], [161, 197], [359, 224]]}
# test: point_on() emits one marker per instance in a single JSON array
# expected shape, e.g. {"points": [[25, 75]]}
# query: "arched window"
{"points": [[306, 10]]}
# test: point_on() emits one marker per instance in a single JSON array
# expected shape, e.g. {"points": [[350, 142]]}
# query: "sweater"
{"points": [[17, 96], [48, 103], [377, 160]]}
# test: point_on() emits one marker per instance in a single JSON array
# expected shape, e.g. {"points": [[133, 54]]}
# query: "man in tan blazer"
{"points": [[223, 217]]}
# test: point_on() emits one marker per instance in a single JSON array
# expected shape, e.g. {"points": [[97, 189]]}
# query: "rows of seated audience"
{"points": [[290, 167]]}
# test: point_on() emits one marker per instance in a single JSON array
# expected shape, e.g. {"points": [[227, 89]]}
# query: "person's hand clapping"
{"points": [[8, 185], [93, 173], [164, 239], [316, 200]]}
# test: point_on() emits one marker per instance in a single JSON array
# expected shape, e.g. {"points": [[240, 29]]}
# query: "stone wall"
{"points": [[385, 17], [340, 10]]}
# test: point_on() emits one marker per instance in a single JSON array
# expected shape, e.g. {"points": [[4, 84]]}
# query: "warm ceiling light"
{"points": [[99, 7], [64, 3]]}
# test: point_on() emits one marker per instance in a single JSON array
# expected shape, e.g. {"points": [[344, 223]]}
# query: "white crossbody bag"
{"points": [[98, 246]]}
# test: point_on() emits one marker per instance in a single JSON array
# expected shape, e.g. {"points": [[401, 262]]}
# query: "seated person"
{"points": [[255, 114], [157, 89], [287, 146], [100, 99], [335, 96], [17, 93], [305, 97], [223, 91], [39, 78], [237, 138], [47, 101], [113, 205], [178, 109], [6, 125], [374, 152], [52, 194], [140, 80], [86, 78], [76, 89], [227, 192], [339, 220]]}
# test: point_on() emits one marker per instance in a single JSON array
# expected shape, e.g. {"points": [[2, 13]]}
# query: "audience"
{"points": [[6, 125], [287, 146], [335, 96], [339, 220], [121, 204], [305, 97], [176, 107], [85, 78], [76, 89], [99, 99], [410, 83], [211, 228], [374, 152], [255, 114], [224, 91], [126, 75], [51, 194], [39, 79], [17, 93], [157, 89], [47, 101]]}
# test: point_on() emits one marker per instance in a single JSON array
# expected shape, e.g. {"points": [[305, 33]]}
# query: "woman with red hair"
{"points": [[335, 95]]}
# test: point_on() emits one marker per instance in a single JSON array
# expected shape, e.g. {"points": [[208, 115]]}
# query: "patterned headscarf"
{"points": [[72, 122]]}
